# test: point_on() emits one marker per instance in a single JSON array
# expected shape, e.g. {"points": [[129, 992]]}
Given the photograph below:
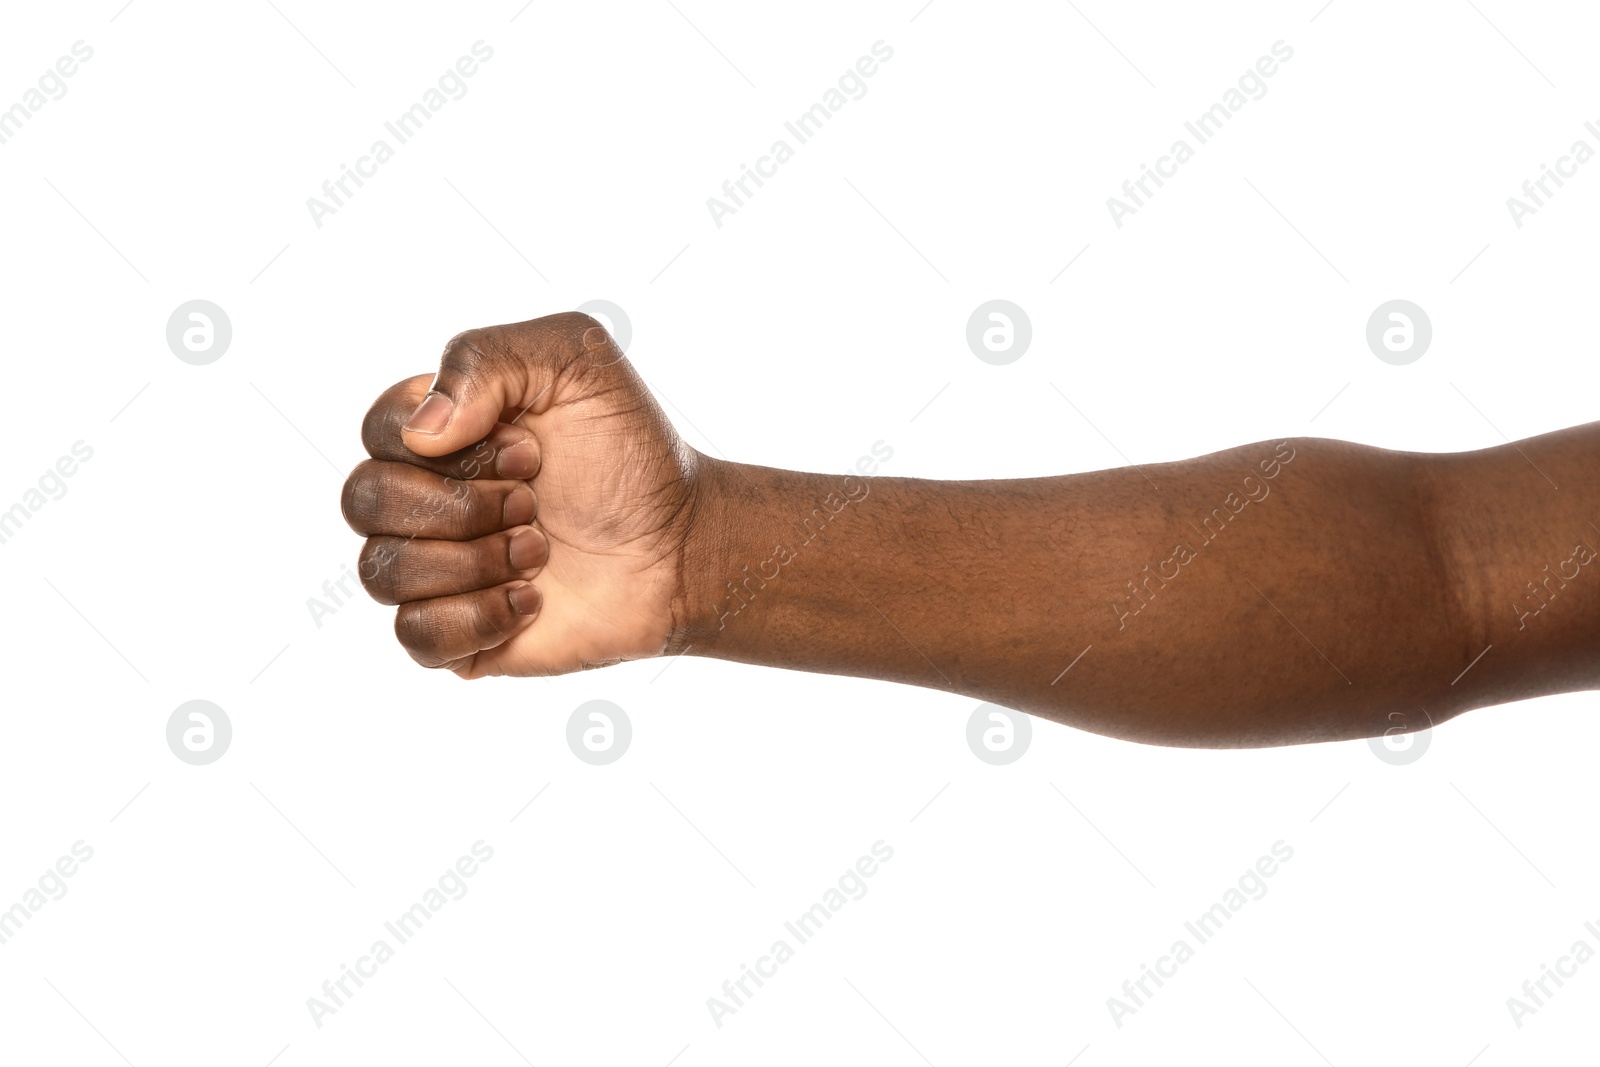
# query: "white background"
{"points": [[821, 317]]}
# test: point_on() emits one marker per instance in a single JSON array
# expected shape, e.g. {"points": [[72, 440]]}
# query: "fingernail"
{"points": [[431, 415], [524, 598], [528, 549], [518, 507], [518, 461]]}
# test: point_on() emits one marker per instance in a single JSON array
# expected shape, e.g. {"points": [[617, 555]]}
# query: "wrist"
{"points": [[751, 580], [716, 515]]}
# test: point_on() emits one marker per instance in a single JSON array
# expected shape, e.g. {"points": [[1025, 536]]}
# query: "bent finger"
{"points": [[447, 630], [395, 570], [401, 500]]}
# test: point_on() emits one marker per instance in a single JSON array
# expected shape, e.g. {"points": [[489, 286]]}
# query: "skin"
{"points": [[531, 511]]}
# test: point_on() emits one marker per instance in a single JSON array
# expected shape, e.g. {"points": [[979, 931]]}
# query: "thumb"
{"points": [[496, 374]]}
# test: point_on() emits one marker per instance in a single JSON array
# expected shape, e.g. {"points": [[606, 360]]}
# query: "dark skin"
{"points": [[538, 514]]}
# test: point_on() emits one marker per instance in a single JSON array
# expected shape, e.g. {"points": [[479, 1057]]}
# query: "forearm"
{"points": [[1270, 594], [1522, 524]]}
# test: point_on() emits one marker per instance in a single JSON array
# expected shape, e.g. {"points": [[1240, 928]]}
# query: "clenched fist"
{"points": [[529, 509]]}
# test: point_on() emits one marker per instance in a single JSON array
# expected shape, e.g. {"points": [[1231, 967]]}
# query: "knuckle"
{"points": [[417, 629], [598, 347], [468, 339], [410, 504], [387, 489], [489, 562], [472, 462], [581, 322], [588, 338], [468, 355], [375, 426], [407, 623], [377, 568], [450, 514], [359, 499], [475, 512], [479, 619]]}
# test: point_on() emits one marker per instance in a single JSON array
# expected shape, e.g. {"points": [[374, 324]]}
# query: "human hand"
{"points": [[529, 511]]}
